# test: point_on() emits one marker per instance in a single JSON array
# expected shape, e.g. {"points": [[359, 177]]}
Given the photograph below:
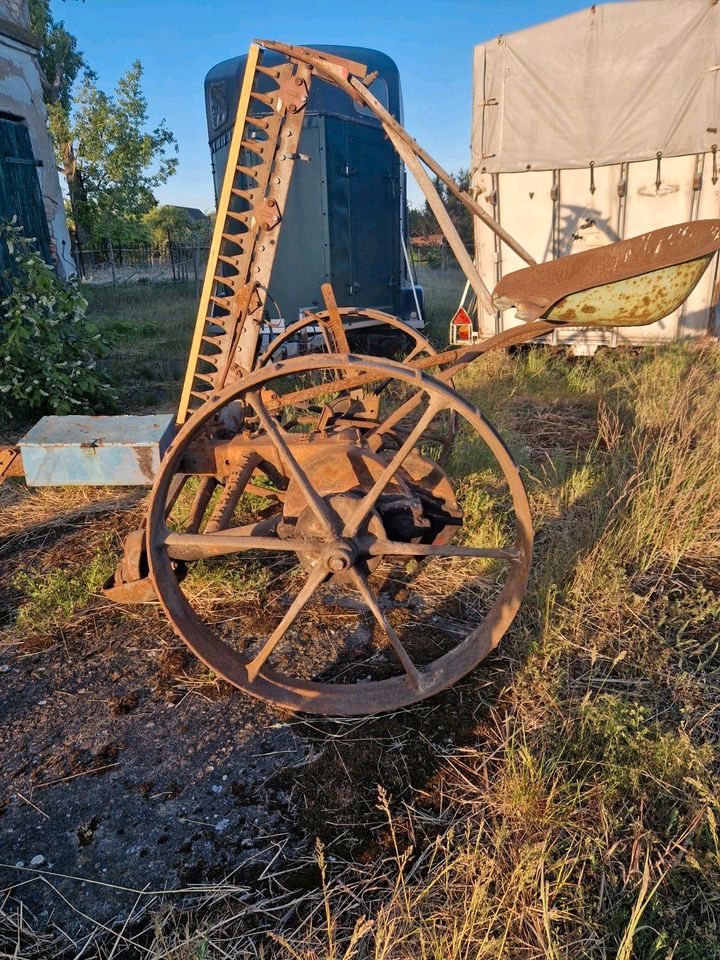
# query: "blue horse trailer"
{"points": [[346, 218]]}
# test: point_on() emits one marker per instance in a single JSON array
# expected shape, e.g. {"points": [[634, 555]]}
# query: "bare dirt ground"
{"points": [[127, 770], [117, 765]]}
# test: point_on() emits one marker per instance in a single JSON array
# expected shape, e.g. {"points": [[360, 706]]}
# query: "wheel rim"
{"points": [[379, 318], [421, 346], [313, 696]]}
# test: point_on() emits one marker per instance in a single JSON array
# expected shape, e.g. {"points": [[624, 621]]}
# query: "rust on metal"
{"points": [[346, 507], [332, 322], [631, 282], [130, 583], [353, 318], [10, 463], [257, 179]]}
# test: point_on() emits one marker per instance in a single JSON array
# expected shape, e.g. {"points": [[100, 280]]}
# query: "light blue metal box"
{"points": [[95, 451]]}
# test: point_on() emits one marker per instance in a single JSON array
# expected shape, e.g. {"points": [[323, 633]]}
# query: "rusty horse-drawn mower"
{"points": [[322, 483]]}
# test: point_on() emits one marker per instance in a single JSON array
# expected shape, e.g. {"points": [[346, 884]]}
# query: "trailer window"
{"points": [[378, 88]]}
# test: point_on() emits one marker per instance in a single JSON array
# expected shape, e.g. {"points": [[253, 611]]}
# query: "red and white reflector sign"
{"points": [[463, 324]]}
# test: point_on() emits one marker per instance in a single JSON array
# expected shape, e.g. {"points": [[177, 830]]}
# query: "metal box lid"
{"points": [[105, 431], [80, 450]]}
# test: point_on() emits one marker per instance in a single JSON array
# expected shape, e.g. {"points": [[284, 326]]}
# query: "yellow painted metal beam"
{"points": [[220, 222]]}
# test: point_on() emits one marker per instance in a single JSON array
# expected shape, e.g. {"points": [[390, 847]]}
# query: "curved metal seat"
{"points": [[629, 283]]}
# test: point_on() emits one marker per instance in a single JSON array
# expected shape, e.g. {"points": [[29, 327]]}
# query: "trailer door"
{"points": [[364, 208]]}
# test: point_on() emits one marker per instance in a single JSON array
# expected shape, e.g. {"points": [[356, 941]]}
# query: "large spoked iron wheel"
{"points": [[364, 604]]}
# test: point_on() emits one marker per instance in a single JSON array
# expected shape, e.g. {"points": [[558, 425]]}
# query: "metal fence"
{"points": [[174, 261], [434, 256], [170, 261]]}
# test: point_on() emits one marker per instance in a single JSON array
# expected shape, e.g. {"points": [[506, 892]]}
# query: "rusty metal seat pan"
{"points": [[629, 283]]}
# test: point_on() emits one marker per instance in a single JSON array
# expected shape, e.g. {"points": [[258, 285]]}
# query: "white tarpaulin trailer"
{"points": [[597, 127]]}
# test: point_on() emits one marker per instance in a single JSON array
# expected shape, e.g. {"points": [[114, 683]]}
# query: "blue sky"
{"points": [[179, 41]]}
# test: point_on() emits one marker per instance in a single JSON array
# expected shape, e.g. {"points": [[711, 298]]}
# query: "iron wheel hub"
{"points": [[341, 553]]}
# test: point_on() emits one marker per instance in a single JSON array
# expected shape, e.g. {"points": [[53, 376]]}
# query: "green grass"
{"points": [[148, 328], [442, 291], [583, 823], [54, 597]]}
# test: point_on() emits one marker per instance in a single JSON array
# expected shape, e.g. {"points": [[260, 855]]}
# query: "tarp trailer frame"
{"points": [[591, 128]]}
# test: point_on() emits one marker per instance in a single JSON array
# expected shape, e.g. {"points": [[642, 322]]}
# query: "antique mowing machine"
{"points": [[315, 492]]}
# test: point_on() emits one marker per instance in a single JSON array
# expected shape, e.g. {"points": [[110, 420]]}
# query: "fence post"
{"points": [[112, 260], [196, 264], [170, 251], [444, 252], [79, 262]]}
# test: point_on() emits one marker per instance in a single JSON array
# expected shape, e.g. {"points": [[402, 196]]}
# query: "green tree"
{"points": [[178, 223], [119, 160], [110, 159], [60, 65], [459, 213], [419, 226], [60, 60], [423, 222]]}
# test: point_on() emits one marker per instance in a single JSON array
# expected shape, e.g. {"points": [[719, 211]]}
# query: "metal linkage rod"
{"points": [[443, 218], [451, 362]]}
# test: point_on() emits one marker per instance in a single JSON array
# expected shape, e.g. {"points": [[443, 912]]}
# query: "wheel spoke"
{"points": [[314, 501], [334, 322], [361, 512], [202, 498], [413, 674], [396, 416], [392, 548], [177, 485], [200, 546], [315, 578], [235, 486]]}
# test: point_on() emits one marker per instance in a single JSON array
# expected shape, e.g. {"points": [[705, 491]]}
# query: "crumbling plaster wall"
{"points": [[21, 97], [15, 11]]}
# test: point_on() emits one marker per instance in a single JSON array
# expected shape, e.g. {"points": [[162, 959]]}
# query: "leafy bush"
{"points": [[48, 348]]}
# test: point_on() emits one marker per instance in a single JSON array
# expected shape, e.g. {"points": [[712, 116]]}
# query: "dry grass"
{"points": [[583, 824], [582, 820]]}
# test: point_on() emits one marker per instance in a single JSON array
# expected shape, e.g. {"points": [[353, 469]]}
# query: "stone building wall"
{"points": [[16, 11], [21, 98]]}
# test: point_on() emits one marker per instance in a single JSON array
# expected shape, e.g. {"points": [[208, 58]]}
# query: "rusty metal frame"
{"points": [[310, 696], [422, 344], [10, 463]]}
